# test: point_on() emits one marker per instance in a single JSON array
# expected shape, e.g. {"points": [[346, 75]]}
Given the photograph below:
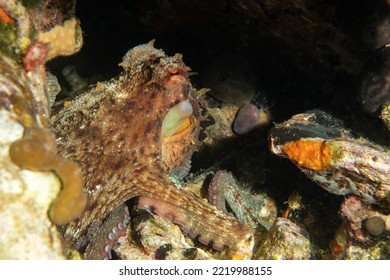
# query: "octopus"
{"points": [[128, 135]]}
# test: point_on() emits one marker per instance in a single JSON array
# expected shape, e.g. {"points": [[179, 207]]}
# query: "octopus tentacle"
{"points": [[127, 135], [111, 232]]}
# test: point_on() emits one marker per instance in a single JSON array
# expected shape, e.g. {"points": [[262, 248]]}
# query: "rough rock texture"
{"points": [[333, 158], [305, 55], [285, 241], [26, 195], [162, 240]]}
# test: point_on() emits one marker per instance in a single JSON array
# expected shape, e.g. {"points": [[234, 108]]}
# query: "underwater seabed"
{"points": [[272, 124]]}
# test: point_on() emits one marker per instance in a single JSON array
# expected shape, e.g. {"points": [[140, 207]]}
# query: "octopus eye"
{"points": [[174, 72], [177, 119]]}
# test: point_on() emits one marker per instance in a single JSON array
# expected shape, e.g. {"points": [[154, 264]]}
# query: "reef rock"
{"points": [[332, 157], [27, 190], [285, 241], [25, 197]]}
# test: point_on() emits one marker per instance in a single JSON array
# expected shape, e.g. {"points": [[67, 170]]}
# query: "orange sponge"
{"points": [[309, 154]]}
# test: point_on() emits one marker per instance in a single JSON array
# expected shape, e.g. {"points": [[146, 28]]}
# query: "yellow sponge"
{"points": [[37, 151]]}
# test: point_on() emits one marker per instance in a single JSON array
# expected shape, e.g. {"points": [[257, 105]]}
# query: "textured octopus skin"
{"points": [[113, 131]]}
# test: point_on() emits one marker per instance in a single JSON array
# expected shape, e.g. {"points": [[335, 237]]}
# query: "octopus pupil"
{"points": [[174, 72]]}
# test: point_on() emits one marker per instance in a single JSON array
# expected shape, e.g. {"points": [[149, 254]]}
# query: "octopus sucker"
{"points": [[105, 238], [128, 135], [192, 222]]}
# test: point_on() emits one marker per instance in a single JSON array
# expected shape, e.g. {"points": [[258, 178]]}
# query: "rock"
{"points": [[285, 241]]}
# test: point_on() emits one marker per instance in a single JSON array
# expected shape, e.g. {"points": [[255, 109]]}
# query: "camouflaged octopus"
{"points": [[127, 135]]}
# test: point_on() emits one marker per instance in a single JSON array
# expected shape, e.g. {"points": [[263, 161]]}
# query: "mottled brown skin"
{"points": [[114, 132]]}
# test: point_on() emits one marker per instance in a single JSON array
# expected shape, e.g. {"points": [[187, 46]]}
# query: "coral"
{"points": [[22, 94], [26, 195], [28, 97], [37, 151], [71, 201], [147, 141], [18, 30]]}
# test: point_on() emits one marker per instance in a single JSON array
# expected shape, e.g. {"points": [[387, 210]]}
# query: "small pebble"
{"points": [[375, 225], [248, 118]]}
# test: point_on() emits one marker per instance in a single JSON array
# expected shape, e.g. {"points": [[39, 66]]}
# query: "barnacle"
{"points": [[37, 151]]}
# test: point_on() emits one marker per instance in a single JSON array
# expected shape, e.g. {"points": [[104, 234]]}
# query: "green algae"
{"points": [[8, 46], [30, 3]]}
